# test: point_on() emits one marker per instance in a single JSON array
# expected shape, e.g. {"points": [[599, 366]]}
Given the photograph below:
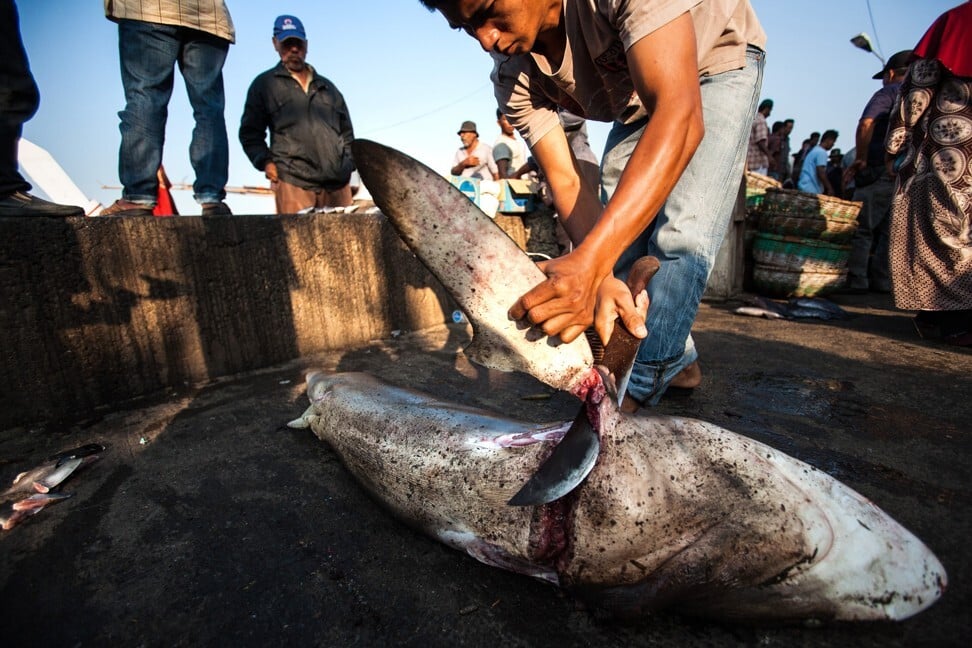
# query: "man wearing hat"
{"points": [[308, 161], [474, 159], [874, 185]]}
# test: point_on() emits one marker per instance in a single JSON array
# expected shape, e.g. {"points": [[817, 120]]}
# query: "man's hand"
{"points": [[565, 303], [471, 161], [271, 172], [851, 171]]}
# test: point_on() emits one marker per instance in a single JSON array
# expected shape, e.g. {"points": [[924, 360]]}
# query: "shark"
{"points": [[674, 513]]}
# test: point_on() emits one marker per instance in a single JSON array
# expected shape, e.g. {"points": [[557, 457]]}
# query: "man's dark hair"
{"points": [[777, 127], [814, 134], [765, 103], [788, 121], [432, 5], [829, 134]]}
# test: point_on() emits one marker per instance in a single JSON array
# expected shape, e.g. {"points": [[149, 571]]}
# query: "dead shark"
{"points": [[675, 512]]}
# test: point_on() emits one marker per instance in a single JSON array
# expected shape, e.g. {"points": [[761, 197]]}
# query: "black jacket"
{"points": [[310, 134]]}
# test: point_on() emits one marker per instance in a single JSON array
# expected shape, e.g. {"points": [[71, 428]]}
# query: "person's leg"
{"points": [[147, 53], [687, 233], [879, 274], [201, 63], [18, 98], [18, 103], [868, 220], [336, 198], [291, 199]]}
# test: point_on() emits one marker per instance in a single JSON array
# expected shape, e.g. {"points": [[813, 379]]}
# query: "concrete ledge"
{"points": [[97, 311]]}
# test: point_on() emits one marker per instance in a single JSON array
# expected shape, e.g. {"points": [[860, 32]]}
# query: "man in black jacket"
{"points": [[309, 161]]}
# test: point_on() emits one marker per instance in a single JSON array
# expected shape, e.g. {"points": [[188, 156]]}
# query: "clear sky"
{"points": [[409, 80]]}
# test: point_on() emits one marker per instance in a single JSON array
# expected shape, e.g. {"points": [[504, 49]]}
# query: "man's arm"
{"points": [[253, 127], [664, 68], [862, 139]]}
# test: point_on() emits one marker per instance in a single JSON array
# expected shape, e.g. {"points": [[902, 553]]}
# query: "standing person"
{"points": [[757, 156], [509, 153], [665, 78], [835, 172], [783, 157], [872, 182], [19, 100], [152, 38], [801, 155], [474, 159], [308, 161], [813, 169], [931, 207], [773, 145]]}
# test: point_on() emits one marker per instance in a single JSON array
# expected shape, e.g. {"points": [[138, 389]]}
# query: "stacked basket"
{"points": [[802, 241]]}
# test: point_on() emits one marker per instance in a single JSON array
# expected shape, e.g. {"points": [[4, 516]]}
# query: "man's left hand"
{"points": [[572, 297]]}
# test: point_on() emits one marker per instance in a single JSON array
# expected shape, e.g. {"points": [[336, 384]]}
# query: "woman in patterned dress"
{"points": [[930, 149]]}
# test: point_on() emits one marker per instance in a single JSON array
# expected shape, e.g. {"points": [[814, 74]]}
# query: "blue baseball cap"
{"points": [[285, 27]]}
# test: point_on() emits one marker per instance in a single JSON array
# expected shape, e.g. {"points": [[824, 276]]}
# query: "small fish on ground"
{"points": [[32, 490], [795, 308]]}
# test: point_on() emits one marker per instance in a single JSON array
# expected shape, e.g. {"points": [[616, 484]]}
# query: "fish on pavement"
{"points": [[676, 513], [32, 490]]}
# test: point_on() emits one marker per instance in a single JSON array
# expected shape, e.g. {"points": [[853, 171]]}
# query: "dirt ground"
{"points": [[208, 522]]}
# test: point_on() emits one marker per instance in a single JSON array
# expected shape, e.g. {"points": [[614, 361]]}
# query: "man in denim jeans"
{"points": [[680, 80], [152, 38]]}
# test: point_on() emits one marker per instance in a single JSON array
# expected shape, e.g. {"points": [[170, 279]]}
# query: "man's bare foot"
{"points": [[688, 378], [629, 405]]}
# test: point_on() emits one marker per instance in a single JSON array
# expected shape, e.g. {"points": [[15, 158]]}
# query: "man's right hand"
{"points": [[271, 172]]}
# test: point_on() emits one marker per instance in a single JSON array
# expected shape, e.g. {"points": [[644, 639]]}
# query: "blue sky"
{"points": [[409, 80]]}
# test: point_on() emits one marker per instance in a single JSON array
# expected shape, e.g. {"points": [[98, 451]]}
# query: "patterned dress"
{"points": [[930, 139]]}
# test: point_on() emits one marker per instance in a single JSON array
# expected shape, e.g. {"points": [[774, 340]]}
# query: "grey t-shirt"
{"points": [[593, 80]]}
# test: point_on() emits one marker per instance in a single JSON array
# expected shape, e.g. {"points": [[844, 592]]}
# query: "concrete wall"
{"points": [[98, 311]]}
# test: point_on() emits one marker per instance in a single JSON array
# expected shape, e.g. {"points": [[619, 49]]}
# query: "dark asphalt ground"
{"points": [[206, 522]]}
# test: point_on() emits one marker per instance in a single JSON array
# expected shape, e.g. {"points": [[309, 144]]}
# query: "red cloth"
{"points": [[165, 205], [949, 40]]}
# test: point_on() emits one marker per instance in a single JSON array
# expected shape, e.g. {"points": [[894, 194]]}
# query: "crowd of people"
{"points": [[907, 169], [681, 87]]}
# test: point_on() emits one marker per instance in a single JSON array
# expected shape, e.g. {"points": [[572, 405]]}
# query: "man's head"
{"points": [[468, 135], [290, 41], [766, 107], [896, 67], [827, 139], [787, 126], [835, 155], [503, 26], [814, 138], [505, 126]]}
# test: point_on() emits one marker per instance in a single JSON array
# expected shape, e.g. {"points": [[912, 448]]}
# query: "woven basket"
{"points": [[778, 282], [789, 212], [799, 254], [756, 186]]}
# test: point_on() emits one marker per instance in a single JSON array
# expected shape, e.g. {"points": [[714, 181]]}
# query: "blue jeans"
{"points": [[688, 231], [148, 53]]}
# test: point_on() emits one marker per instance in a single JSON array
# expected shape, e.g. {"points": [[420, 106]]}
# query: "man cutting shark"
{"points": [[680, 80]]}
